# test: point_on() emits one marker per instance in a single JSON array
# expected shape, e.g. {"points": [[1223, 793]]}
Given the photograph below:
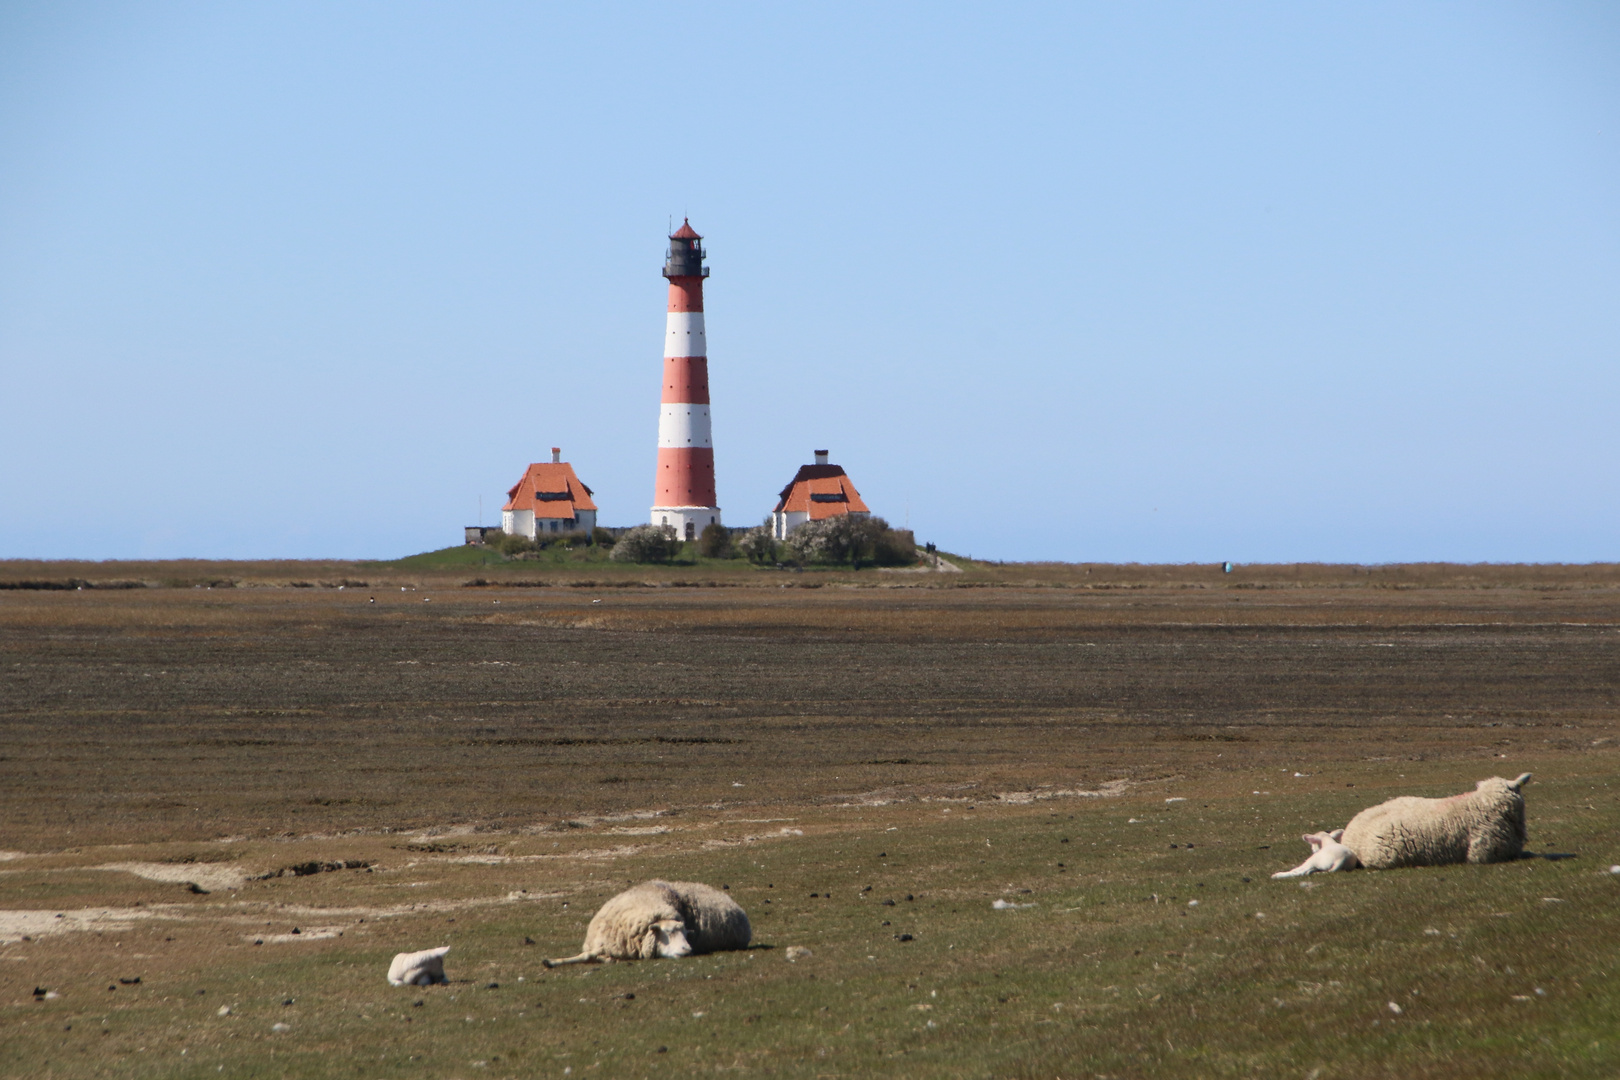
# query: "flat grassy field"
{"points": [[1023, 818]]}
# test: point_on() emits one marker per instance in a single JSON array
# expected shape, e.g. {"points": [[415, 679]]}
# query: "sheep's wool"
{"points": [[418, 968], [622, 927], [1480, 826]]}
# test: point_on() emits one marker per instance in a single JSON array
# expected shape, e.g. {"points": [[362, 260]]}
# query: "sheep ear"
{"points": [[1336, 835], [1311, 839], [1523, 779]]}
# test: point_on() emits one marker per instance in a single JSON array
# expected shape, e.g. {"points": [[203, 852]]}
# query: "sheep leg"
{"points": [[582, 958], [1307, 867]]}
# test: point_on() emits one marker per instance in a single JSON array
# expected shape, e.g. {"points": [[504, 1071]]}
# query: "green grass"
{"points": [[1497, 970]]}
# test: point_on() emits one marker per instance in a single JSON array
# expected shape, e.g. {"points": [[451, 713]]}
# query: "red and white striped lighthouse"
{"points": [[683, 497]]}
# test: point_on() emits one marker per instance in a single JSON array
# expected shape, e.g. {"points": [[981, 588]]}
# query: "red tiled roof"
{"points": [[685, 232], [822, 491], [551, 490]]}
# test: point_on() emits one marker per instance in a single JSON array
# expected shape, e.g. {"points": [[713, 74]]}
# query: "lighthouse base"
{"points": [[687, 522]]}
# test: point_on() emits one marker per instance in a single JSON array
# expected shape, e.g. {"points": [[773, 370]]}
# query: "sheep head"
{"points": [[669, 939]]}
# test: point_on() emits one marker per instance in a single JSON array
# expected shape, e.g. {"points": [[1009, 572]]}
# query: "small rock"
{"points": [[280, 1027], [904, 937], [289, 1001], [798, 952], [224, 1010], [1396, 1009]]}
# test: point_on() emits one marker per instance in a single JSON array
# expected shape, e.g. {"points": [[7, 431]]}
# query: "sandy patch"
{"points": [[16, 925], [1110, 790], [208, 876], [314, 933]]}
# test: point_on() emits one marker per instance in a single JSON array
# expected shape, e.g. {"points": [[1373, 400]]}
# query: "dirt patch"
{"points": [[209, 876]]}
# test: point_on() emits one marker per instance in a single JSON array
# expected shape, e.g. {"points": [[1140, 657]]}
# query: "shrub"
{"points": [[715, 543], [894, 547], [850, 539], [510, 544], [645, 544], [758, 545], [601, 537]]}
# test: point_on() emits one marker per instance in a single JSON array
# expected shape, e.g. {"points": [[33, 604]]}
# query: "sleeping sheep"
{"points": [[1480, 826], [1327, 855], [663, 918], [418, 968], [1485, 825]]}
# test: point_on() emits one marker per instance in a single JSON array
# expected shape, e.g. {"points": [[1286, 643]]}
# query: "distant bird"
{"points": [[373, 599], [593, 601]]}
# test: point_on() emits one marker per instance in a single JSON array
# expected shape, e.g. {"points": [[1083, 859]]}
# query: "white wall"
{"points": [[788, 520], [677, 517], [518, 523]]}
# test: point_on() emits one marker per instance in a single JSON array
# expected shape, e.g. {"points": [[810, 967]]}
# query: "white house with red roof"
{"points": [[549, 499], [819, 491]]}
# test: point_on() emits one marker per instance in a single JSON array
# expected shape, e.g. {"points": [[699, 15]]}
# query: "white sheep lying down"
{"points": [[1485, 825], [663, 918], [418, 968]]}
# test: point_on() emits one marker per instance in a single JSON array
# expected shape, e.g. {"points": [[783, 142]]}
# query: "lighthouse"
{"points": [[683, 491]]}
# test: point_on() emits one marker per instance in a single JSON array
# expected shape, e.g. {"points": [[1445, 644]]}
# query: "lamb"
{"points": [[663, 918], [418, 968], [1481, 826], [1327, 855]]}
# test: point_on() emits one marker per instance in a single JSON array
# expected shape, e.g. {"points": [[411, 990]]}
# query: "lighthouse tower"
{"points": [[683, 495]]}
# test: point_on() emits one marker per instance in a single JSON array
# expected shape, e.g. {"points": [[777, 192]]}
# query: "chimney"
{"points": [[556, 455], [821, 457]]}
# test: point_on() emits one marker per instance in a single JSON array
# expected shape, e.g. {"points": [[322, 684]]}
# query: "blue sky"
{"points": [[1146, 282]]}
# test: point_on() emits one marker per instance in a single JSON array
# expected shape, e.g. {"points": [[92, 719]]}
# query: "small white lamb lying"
{"points": [[418, 968], [663, 918], [1327, 855]]}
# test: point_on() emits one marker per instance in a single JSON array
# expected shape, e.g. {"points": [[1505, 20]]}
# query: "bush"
{"points": [[601, 537], [510, 544], [715, 543], [645, 544], [851, 539], [895, 547], [758, 545]]}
